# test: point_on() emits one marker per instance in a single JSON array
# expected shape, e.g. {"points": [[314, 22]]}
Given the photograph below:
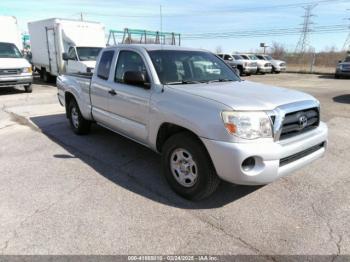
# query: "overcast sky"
{"points": [[194, 16]]}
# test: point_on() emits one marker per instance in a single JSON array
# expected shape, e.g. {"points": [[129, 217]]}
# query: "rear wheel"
{"points": [[336, 76], [188, 168], [79, 125]]}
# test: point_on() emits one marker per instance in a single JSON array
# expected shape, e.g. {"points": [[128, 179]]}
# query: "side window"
{"points": [[72, 54], [227, 57], [104, 66], [128, 61]]}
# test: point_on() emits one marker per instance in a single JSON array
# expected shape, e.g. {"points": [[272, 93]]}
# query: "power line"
{"points": [[226, 10], [306, 30], [265, 32]]}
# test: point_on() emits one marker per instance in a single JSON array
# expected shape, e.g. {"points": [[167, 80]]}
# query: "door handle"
{"points": [[112, 92]]}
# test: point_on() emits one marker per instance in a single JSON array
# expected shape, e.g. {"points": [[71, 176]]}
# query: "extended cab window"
{"points": [[128, 61], [105, 65]]}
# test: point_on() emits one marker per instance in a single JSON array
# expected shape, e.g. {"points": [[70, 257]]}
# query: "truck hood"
{"points": [[9, 63], [91, 64], [245, 95], [277, 62]]}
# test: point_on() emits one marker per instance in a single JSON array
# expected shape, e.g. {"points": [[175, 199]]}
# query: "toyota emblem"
{"points": [[302, 122]]}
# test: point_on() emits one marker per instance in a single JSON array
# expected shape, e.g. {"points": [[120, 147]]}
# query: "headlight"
{"points": [[340, 66], [247, 125], [27, 70]]}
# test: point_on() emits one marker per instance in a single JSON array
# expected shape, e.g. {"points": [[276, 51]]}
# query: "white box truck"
{"points": [[65, 46], [14, 69]]}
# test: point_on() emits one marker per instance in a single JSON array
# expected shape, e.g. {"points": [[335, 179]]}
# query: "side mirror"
{"points": [[65, 57], [340, 61], [136, 78]]}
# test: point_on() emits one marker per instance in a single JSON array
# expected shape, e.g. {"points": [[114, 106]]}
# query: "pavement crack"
{"points": [[333, 236]]}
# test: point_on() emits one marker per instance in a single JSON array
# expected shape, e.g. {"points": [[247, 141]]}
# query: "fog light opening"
{"points": [[248, 164]]}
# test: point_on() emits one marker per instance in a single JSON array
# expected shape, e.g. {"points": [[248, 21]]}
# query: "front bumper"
{"points": [[280, 68], [228, 157], [17, 80], [342, 73], [250, 70], [265, 69]]}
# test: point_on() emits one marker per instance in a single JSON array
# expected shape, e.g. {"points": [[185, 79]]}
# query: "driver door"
{"points": [[129, 105]]}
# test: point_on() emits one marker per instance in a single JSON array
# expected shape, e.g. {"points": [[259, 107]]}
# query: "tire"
{"points": [[240, 69], [28, 88], [248, 74], [336, 76], [77, 122], [46, 77], [187, 149]]}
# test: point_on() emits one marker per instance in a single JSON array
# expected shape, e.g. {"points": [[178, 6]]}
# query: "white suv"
{"points": [[278, 66], [263, 65], [245, 66]]}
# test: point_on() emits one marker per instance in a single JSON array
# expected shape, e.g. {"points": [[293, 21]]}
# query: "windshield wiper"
{"points": [[183, 82], [220, 80]]}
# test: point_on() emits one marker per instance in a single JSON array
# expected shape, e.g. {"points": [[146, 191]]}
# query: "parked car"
{"points": [[278, 66], [245, 66], [14, 69], [207, 124], [263, 65], [230, 61], [343, 68], [65, 46]]}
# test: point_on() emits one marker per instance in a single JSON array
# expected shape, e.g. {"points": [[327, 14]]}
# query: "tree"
{"points": [[218, 50], [278, 50]]}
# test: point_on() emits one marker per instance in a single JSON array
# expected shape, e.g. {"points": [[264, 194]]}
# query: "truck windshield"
{"points": [[190, 67], [253, 57], [8, 50], [88, 53]]}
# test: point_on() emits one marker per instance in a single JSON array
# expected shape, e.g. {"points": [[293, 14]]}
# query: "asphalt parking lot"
{"points": [[103, 194]]}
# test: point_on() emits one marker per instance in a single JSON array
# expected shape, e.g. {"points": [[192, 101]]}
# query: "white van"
{"points": [[14, 69], [65, 46]]}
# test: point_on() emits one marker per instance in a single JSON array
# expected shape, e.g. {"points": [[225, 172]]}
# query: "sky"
{"points": [[197, 16]]}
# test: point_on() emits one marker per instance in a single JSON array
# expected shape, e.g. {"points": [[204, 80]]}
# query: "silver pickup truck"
{"points": [[189, 106]]}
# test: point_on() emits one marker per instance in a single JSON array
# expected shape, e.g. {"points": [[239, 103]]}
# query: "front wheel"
{"points": [[188, 168], [79, 125], [28, 88]]}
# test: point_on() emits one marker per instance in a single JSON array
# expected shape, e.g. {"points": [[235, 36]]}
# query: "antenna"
{"points": [[306, 29]]}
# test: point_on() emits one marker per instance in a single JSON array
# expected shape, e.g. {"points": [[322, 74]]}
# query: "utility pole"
{"points": [[81, 16], [306, 30], [346, 46], [161, 18]]}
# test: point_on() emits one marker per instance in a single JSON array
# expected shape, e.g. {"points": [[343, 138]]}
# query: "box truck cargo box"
{"points": [[14, 69], [65, 46]]}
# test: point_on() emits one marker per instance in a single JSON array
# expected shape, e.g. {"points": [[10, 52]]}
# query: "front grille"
{"points": [[297, 156], [346, 68], [12, 71], [299, 122], [8, 83], [267, 65], [253, 64]]}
